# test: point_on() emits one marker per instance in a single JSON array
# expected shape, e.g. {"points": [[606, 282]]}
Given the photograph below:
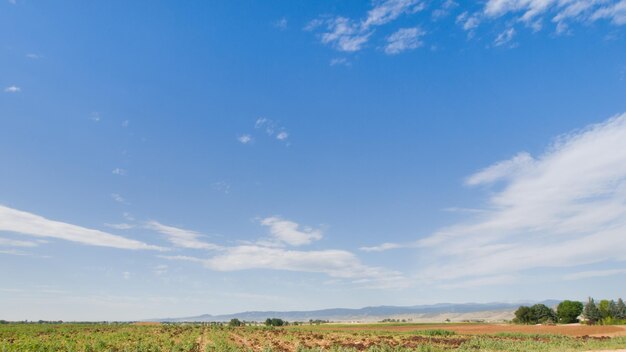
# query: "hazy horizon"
{"points": [[168, 159]]}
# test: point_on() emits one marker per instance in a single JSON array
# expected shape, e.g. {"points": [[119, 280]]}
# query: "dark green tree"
{"points": [[235, 322], [523, 315], [603, 306], [591, 312], [621, 309], [275, 322], [568, 311], [543, 314]]}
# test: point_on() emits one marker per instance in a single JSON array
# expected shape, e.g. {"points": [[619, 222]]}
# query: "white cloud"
{"points": [[335, 263], [95, 117], [348, 35], [468, 22], [118, 198], [122, 226], [339, 61], [504, 37], [560, 11], [615, 12], [270, 127], [126, 275], [181, 237], [125, 123], [564, 208], [245, 139], [118, 171], [482, 281], [594, 273], [502, 170], [281, 24], [12, 89], [221, 186], [16, 243], [160, 269], [404, 39], [33, 56], [290, 232], [16, 221], [388, 10], [444, 10], [382, 247]]}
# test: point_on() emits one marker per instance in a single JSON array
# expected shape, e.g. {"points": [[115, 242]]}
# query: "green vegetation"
{"points": [[568, 311], [275, 322], [605, 312], [302, 338], [536, 314]]}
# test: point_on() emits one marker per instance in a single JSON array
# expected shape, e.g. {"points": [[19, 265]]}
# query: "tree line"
{"points": [[605, 312]]}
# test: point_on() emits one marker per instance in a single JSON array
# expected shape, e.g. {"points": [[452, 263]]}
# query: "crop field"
{"points": [[306, 338]]}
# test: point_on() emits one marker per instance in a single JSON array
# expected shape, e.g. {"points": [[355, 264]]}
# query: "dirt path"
{"points": [[203, 341]]}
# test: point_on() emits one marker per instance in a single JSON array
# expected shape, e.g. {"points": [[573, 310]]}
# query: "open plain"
{"points": [[305, 338]]}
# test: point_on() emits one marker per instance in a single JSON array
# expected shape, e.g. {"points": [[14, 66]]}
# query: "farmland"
{"points": [[327, 337]]}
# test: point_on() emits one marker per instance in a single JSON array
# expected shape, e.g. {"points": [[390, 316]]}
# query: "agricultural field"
{"points": [[306, 338]]}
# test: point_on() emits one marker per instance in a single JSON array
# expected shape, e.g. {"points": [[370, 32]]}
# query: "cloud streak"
{"points": [[16, 221], [564, 209], [180, 237]]}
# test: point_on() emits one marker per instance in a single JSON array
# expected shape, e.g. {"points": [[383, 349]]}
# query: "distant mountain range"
{"points": [[434, 313]]}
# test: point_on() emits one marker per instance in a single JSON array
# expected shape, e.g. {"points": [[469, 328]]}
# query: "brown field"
{"points": [[576, 330]]}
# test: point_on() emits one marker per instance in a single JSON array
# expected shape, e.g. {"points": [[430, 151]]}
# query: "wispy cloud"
{"points": [[335, 263], [404, 39], [33, 56], [345, 34], [594, 273], [221, 186], [119, 172], [281, 24], [339, 61], [180, 237], [501, 171], [245, 139], [469, 22], [272, 255], [16, 221], [444, 10], [95, 117], [505, 37], [118, 198], [121, 226], [565, 208], [12, 89], [531, 12], [270, 127], [16, 243], [290, 232]]}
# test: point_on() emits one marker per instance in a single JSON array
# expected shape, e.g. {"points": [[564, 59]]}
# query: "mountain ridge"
{"points": [[435, 312]]}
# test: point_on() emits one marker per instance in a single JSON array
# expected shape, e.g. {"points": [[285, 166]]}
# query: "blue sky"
{"points": [[174, 159]]}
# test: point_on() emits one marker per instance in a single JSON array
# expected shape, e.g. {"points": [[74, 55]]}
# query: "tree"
{"points": [[568, 311], [591, 312], [543, 314], [275, 322], [523, 315], [621, 309], [235, 322], [613, 311], [603, 306]]}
